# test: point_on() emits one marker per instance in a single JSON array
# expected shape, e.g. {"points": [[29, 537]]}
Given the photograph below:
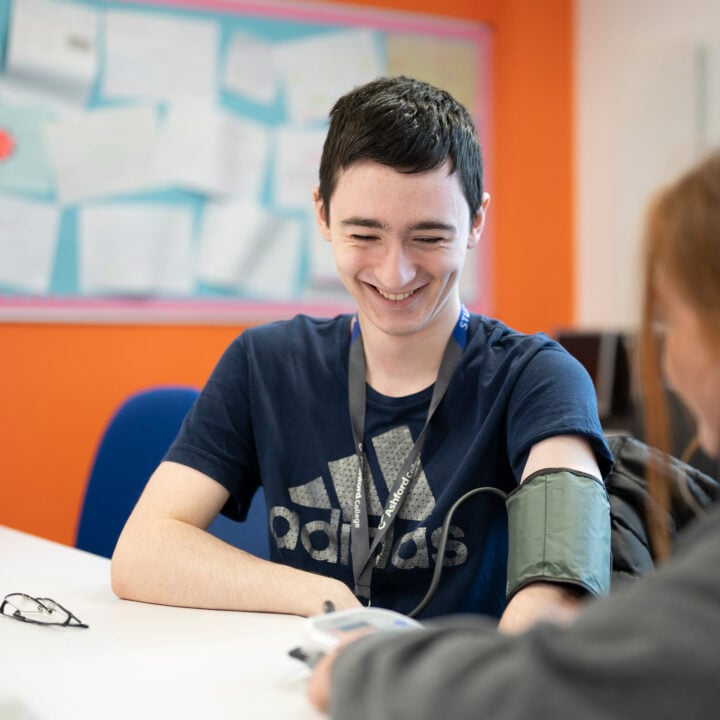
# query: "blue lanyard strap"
{"points": [[362, 549]]}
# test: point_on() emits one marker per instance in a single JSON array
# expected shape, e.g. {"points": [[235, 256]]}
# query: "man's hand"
{"points": [[540, 601]]}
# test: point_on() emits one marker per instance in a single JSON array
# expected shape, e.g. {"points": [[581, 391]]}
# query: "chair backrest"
{"points": [[131, 447]]}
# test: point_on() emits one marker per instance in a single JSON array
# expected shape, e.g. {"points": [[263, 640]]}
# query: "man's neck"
{"points": [[399, 365]]}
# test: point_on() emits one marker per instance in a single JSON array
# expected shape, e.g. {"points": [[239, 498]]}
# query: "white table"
{"points": [[137, 660]]}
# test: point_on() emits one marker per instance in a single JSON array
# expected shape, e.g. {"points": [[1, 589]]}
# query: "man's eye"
{"points": [[355, 236], [429, 240]]}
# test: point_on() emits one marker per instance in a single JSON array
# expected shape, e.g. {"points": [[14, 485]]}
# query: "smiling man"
{"points": [[364, 430]]}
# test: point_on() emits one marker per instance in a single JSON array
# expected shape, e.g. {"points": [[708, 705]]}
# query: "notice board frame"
{"points": [[74, 308]]}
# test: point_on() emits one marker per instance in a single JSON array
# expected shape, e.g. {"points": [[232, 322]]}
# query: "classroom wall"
{"points": [[647, 93], [60, 383]]}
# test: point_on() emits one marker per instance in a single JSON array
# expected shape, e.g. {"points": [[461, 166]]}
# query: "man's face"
{"points": [[400, 241]]}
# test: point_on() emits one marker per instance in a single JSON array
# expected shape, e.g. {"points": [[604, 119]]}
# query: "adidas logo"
{"points": [[328, 539]]}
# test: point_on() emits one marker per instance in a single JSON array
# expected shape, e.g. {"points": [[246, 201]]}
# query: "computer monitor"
{"points": [[604, 355]]}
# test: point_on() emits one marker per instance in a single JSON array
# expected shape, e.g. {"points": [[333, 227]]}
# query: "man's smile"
{"points": [[395, 297]]}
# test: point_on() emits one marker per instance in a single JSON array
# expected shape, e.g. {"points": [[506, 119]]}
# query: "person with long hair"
{"points": [[650, 649]]}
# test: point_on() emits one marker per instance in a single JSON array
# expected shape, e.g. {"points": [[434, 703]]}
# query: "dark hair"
{"points": [[406, 124]]}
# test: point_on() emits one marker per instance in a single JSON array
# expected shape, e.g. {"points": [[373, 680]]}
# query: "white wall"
{"points": [[647, 88]]}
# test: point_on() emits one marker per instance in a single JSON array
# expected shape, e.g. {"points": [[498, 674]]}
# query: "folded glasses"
{"points": [[40, 611]]}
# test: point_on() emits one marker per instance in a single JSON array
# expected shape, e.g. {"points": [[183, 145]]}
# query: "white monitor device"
{"points": [[326, 630]]}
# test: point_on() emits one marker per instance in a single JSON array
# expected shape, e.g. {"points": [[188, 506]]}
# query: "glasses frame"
{"points": [[70, 620]]}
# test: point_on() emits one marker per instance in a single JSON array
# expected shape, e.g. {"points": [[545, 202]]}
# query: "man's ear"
{"points": [[478, 224], [321, 214]]}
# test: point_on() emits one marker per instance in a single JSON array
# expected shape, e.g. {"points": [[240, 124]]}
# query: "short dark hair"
{"points": [[406, 124]]}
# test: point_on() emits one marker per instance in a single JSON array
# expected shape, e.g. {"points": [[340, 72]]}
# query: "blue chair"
{"points": [[131, 447]]}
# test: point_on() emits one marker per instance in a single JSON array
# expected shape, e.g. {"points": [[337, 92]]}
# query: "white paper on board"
{"points": [[28, 241], [317, 70], [51, 54], [158, 57], [211, 151], [106, 151], [246, 249], [135, 249]]}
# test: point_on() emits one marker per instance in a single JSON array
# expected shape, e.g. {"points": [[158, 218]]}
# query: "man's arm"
{"points": [[164, 555], [543, 600]]}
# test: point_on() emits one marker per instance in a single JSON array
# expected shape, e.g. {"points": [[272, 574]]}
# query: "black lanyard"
{"points": [[362, 549]]}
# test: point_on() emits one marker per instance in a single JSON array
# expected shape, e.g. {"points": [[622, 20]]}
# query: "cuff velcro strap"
{"points": [[559, 531]]}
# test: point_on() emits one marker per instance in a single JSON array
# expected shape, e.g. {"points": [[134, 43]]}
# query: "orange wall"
{"points": [[59, 383]]}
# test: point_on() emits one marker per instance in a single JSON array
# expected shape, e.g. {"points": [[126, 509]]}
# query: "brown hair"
{"points": [[681, 240]]}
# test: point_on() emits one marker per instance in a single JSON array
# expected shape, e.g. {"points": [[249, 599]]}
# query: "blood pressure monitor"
{"points": [[324, 631]]}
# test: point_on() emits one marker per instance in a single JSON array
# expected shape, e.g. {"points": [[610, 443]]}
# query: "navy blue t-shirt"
{"points": [[275, 412]]}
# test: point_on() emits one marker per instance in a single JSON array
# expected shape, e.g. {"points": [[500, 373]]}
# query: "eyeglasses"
{"points": [[40, 611]]}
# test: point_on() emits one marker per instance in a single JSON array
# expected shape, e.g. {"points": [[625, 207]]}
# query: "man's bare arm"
{"points": [[164, 555]]}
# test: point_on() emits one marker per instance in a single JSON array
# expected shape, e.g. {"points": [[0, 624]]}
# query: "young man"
{"points": [[364, 430]]}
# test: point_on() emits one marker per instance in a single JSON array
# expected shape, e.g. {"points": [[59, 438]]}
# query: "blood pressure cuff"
{"points": [[559, 531]]}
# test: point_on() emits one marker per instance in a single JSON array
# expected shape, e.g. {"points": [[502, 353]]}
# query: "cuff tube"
{"points": [[559, 531]]}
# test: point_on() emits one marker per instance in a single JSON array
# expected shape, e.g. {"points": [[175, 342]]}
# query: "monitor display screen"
{"points": [[603, 355]]}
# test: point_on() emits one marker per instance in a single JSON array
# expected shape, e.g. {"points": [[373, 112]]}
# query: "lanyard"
{"points": [[362, 549]]}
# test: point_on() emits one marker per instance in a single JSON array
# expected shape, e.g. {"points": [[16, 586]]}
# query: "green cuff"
{"points": [[559, 531]]}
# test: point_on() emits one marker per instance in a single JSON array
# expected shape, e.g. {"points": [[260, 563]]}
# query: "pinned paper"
{"points": [[297, 163], [250, 69], [157, 57], [211, 151], [107, 151], [316, 70], [28, 240], [52, 52], [248, 250], [135, 249]]}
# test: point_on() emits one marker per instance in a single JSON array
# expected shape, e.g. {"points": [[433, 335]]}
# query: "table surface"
{"points": [[137, 660]]}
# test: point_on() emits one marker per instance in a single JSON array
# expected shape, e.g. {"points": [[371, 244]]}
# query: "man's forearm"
{"points": [[175, 563]]}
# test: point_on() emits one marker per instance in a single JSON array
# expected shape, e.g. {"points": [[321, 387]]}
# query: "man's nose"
{"points": [[396, 268]]}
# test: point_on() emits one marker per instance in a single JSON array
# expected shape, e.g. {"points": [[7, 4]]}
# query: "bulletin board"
{"points": [[157, 158]]}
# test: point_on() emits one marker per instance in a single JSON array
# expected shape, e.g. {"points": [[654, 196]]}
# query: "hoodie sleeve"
{"points": [[647, 651]]}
